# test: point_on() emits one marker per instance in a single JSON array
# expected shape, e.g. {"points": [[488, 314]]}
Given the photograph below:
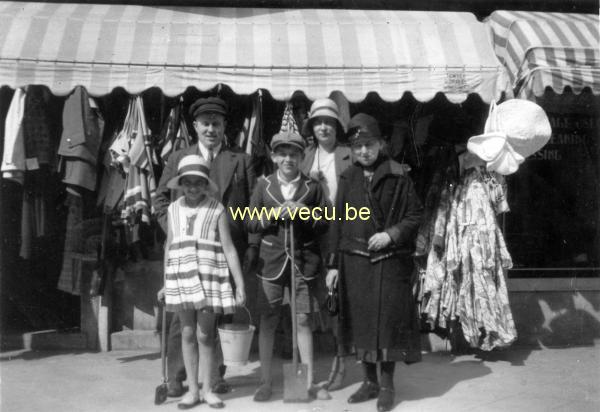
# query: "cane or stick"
{"points": [[295, 376], [160, 394]]}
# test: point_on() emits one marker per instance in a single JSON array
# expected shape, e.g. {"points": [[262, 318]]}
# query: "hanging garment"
{"points": [[140, 185], [35, 217], [119, 148], [465, 279], [79, 147], [40, 156], [70, 278], [175, 134], [431, 238], [343, 105], [36, 131], [288, 123], [484, 260], [250, 137], [13, 158], [196, 271], [438, 285], [112, 184]]}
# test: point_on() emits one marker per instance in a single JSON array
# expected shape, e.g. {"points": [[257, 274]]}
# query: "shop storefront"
{"points": [[436, 69], [553, 231]]}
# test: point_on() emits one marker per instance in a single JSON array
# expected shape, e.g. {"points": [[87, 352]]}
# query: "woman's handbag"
{"points": [[332, 300]]}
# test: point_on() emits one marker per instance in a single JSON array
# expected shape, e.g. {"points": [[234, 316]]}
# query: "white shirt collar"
{"points": [[288, 189], [285, 182], [204, 150]]}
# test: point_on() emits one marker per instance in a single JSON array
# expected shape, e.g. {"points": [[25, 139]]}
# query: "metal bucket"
{"points": [[236, 339]]}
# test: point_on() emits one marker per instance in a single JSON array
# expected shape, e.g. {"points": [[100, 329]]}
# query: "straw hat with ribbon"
{"points": [[514, 130], [192, 165], [326, 108]]}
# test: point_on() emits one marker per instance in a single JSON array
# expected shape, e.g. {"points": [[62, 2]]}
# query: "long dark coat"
{"points": [[378, 317]]}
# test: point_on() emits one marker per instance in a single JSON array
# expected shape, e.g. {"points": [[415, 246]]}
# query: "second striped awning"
{"points": [[282, 50], [547, 50]]}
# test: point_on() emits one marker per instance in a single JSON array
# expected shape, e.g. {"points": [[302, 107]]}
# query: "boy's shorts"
{"points": [[274, 293]]}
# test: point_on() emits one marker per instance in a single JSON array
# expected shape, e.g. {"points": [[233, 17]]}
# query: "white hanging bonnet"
{"points": [[514, 130]]}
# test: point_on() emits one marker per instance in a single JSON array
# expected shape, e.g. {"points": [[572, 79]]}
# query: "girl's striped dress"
{"points": [[196, 272]]}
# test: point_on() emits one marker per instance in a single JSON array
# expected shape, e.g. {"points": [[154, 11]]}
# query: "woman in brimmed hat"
{"points": [[371, 260], [324, 161], [199, 256]]}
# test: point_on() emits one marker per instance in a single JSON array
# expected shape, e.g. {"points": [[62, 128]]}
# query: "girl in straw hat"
{"points": [[199, 256]]}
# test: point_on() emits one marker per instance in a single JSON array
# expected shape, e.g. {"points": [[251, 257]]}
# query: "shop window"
{"points": [[554, 224]]}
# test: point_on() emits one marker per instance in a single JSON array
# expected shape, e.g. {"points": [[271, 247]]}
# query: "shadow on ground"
{"points": [[145, 356], [436, 375], [30, 355]]}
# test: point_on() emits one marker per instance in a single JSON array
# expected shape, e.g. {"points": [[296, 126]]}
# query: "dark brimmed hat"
{"points": [[208, 105], [327, 108], [362, 126], [289, 139]]}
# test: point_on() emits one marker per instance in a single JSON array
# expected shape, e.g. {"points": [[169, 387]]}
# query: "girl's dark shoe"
{"points": [[368, 390], [385, 400]]}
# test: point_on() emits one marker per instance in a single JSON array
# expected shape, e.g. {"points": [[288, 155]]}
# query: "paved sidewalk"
{"points": [[514, 380]]}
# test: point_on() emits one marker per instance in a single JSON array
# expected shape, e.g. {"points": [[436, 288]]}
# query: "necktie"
{"points": [[211, 155]]}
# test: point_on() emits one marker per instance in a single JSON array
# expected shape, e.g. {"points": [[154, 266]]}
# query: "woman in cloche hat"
{"points": [[371, 261], [324, 161]]}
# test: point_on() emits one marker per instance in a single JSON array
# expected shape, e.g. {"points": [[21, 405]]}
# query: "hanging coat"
{"points": [[378, 317], [13, 158], [79, 147]]}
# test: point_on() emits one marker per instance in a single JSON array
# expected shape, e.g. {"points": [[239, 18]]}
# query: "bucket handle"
{"points": [[248, 312]]}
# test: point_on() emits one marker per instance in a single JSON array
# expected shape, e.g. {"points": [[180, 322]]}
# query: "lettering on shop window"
{"points": [[547, 154], [568, 132]]}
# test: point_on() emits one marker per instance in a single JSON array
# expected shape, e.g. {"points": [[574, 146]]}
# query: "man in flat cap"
{"points": [[232, 171]]}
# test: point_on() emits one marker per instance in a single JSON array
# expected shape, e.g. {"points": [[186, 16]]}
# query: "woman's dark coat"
{"points": [[378, 317]]}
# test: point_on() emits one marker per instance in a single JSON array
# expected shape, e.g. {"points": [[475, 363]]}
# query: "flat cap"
{"points": [[208, 105], [288, 138]]}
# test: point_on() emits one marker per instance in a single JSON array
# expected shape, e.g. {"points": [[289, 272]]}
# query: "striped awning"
{"points": [[547, 49], [282, 50]]}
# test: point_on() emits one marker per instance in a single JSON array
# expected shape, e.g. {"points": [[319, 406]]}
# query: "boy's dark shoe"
{"points": [[221, 386], [385, 400], [263, 393], [368, 390]]}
